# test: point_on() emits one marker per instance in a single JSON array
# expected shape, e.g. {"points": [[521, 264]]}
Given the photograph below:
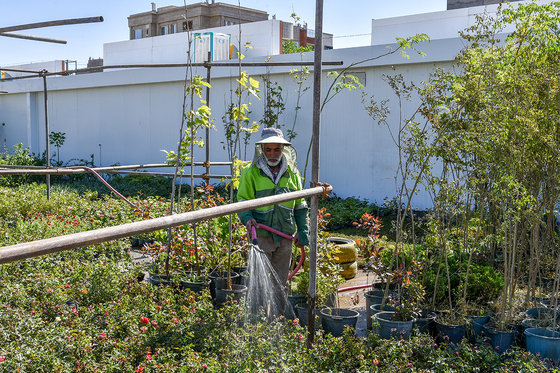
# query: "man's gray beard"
{"points": [[273, 164]]}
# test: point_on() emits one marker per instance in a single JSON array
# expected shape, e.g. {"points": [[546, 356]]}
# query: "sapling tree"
{"points": [[57, 139], [497, 112]]}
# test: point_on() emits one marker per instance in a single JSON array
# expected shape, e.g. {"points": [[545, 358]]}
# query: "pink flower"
{"points": [[33, 312], [149, 356], [144, 320], [295, 322], [409, 364], [69, 207], [300, 337], [159, 308], [143, 328], [154, 323], [204, 366], [375, 361], [2, 358], [102, 336], [67, 286]]}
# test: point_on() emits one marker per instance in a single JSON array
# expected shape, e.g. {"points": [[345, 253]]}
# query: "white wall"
{"points": [[264, 37], [135, 113], [437, 25]]}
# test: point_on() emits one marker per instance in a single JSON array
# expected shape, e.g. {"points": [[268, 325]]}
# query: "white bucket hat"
{"points": [[273, 136]]}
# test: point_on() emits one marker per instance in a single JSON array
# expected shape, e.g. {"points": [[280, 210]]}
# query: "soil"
{"points": [[355, 299]]}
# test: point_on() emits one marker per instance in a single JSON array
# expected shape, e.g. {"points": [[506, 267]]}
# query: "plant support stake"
{"points": [[315, 171]]}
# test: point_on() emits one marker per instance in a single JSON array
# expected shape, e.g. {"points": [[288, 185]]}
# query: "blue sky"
{"points": [[342, 19]]}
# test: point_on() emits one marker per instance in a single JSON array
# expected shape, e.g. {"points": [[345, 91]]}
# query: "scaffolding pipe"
{"points": [[208, 68], [62, 22], [27, 250], [198, 64], [66, 171], [47, 140], [31, 37], [126, 167]]}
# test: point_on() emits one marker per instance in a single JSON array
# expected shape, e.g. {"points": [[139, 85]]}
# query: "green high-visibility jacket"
{"points": [[287, 217]]}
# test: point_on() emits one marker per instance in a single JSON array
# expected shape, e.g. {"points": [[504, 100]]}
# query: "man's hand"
{"points": [[250, 223], [297, 241]]}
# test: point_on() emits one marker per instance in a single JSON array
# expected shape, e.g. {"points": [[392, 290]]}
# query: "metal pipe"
{"points": [[126, 167], [52, 245], [208, 68], [67, 171], [31, 37], [48, 152], [314, 205], [199, 64], [62, 22], [20, 70]]}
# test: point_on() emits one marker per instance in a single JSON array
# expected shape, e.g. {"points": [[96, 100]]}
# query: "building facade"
{"points": [[458, 4], [209, 15], [174, 19]]}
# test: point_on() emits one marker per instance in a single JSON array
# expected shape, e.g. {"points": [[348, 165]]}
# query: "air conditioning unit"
{"points": [[217, 44]]}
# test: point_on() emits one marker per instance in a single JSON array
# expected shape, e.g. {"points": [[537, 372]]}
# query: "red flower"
{"points": [[67, 286], [159, 308], [149, 356], [140, 369], [295, 322], [144, 320], [2, 358], [102, 336]]}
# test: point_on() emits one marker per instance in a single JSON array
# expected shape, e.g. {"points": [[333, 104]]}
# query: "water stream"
{"points": [[265, 291]]}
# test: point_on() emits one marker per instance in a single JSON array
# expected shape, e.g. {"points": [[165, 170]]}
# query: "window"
{"points": [[138, 34], [164, 30], [185, 24], [174, 28]]}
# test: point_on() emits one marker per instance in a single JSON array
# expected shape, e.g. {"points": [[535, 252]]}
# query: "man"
{"points": [[272, 172]]}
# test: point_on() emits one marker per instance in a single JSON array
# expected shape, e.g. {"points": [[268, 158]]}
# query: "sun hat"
{"points": [[273, 135]]}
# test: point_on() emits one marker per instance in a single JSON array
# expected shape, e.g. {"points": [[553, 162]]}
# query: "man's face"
{"points": [[273, 153]]}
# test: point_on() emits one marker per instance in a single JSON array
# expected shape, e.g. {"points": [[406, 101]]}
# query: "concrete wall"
{"points": [[264, 37], [129, 116]]}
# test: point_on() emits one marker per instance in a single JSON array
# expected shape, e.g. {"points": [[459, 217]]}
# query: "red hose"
{"points": [[282, 234], [357, 287]]}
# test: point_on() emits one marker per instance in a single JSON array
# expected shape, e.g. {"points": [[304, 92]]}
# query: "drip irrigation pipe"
{"points": [[108, 186], [281, 234]]}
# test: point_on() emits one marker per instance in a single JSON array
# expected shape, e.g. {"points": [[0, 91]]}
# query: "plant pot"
{"points": [[335, 319], [539, 324], [451, 334], [393, 329], [541, 313], [195, 285], [475, 326], [236, 294], [303, 316], [293, 301], [544, 342], [218, 279], [425, 322], [244, 278], [500, 340], [157, 280], [372, 297]]}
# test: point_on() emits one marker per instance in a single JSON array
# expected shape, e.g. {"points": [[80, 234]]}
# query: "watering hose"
{"points": [[281, 234]]}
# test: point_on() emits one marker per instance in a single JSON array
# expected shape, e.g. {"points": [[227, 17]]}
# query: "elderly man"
{"points": [[272, 172]]}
